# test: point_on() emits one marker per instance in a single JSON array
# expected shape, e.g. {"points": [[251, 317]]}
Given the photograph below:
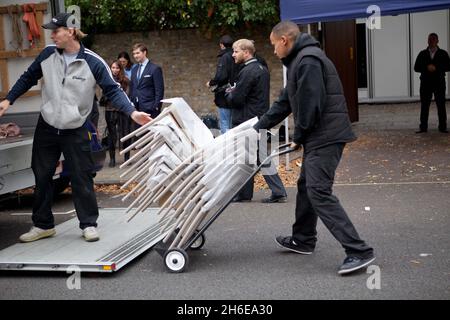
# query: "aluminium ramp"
{"points": [[120, 242]]}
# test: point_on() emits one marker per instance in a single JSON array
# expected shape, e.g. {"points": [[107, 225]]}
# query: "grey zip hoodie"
{"points": [[67, 96]]}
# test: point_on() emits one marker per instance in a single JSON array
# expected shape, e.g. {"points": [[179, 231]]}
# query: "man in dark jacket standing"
{"points": [[432, 63], [225, 75], [315, 96], [250, 98], [147, 83]]}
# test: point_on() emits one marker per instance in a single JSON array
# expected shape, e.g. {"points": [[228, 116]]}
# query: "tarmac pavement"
{"points": [[407, 225], [394, 184]]}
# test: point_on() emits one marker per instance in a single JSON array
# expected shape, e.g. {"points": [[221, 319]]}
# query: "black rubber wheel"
{"points": [[199, 243], [176, 260]]}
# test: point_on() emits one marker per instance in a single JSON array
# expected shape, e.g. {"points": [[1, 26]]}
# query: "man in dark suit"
{"points": [[147, 83], [432, 63]]}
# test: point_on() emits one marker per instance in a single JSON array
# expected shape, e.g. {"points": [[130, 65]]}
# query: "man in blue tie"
{"points": [[147, 83]]}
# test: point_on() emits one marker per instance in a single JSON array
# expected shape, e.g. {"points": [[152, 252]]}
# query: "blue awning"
{"points": [[309, 11]]}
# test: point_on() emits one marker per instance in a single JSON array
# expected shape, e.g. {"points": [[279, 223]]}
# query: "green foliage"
{"points": [[144, 15]]}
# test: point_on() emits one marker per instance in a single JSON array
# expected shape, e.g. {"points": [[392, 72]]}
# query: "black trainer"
{"points": [[351, 264], [239, 199], [275, 199], [290, 244]]}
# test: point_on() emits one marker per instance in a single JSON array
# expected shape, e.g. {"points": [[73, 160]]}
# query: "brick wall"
{"points": [[188, 60]]}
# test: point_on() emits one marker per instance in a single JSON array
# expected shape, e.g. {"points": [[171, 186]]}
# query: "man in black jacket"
{"points": [[250, 98], [225, 76], [315, 96], [432, 63]]}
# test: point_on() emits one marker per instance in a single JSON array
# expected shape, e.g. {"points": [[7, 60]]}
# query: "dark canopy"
{"points": [[308, 11]]}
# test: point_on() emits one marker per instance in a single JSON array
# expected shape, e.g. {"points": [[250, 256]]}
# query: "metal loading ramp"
{"points": [[120, 242]]}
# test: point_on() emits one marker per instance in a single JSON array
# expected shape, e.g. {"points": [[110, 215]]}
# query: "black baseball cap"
{"points": [[60, 20]]}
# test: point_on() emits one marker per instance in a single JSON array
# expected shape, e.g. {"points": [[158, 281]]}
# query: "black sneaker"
{"points": [[421, 131], [275, 199], [443, 130], [239, 199], [290, 244], [351, 264]]}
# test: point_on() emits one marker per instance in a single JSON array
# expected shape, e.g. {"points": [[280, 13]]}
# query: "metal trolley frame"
{"points": [[176, 260]]}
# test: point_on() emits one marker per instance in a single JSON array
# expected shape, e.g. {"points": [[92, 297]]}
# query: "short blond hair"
{"points": [[78, 35], [245, 44]]}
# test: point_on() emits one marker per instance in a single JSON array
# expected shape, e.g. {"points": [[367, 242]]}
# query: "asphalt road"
{"points": [[407, 224]]}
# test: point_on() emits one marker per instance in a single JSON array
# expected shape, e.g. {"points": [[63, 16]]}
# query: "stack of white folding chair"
{"points": [[180, 167]]}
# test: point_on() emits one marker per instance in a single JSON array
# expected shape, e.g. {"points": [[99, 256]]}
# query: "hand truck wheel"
{"points": [[199, 243], [176, 260]]}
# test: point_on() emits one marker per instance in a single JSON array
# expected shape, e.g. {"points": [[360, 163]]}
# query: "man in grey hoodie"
{"points": [[70, 73], [315, 96]]}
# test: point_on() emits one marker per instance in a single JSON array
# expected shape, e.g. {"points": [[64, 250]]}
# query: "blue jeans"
{"points": [[224, 119]]}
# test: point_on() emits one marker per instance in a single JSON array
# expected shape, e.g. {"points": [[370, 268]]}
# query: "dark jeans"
{"points": [[48, 145], [118, 125], [426, 93], [273, 181], [315, 200]]}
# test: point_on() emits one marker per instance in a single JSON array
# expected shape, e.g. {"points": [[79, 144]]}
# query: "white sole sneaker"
{"points": [[365, 264], [93, 239], [36, 234], [90, 234], [292, 249]]}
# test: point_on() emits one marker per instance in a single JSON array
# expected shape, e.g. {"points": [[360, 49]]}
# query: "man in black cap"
{"points": [[70, 73]]}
